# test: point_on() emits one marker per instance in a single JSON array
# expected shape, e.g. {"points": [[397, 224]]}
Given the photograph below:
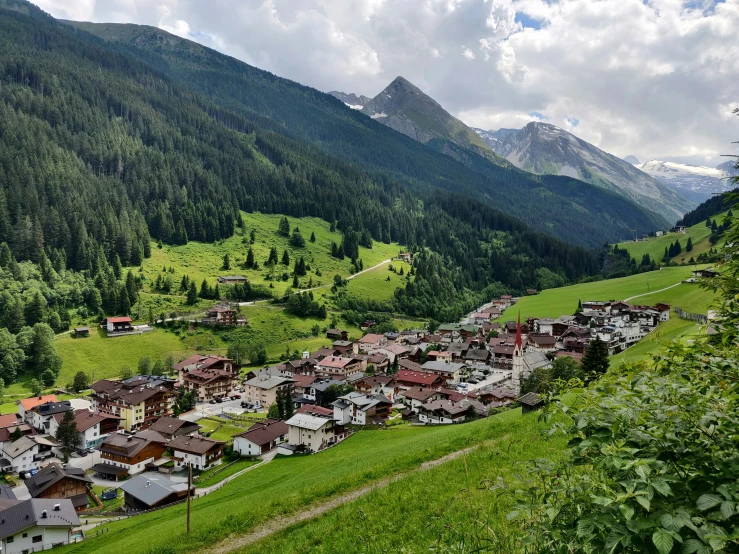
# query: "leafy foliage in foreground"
{"points": [[653, 463]]}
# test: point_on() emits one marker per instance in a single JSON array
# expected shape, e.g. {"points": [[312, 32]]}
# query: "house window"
{"points": [[9, 540], [37, 538], [25, 535]]}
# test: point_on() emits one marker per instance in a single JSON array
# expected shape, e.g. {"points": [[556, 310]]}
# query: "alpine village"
{"points": [[241, 315]]}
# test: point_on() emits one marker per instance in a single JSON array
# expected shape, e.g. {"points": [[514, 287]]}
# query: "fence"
{"points": [[698, 318]]}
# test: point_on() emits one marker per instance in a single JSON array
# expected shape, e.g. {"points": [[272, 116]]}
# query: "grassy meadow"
{"points": [[655, 246], [288, 484], [205, 260], [449, 508]]}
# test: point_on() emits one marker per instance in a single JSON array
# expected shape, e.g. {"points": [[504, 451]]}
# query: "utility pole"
{"points": [[189, 491]]}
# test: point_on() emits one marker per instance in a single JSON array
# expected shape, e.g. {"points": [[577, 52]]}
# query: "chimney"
{"points": [[43, 514], [57, 507]]}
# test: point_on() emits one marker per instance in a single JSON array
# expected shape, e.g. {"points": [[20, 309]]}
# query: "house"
{"points": [[477, 356], [145, 492], [542, 343], [530, 402], [260, 438], [314, 430], [371, 341], [337, 366], [360, 409], [138, 401], [222, 315], [424, 379], [531, 292], [343, 346], [408, 365], [8, 425], [93, 426], [201, 452], [503, 356], [385, 385], [706, 273], [28, 452], [440, 356], [263, 389], [207, 376], [324, 352], [80, 332], [54, 481], [448, 411], [379, 361], [36, 524], [117, 325], [392, 351], [318, 388], [448, 371], [231, 279], [337, 334], [415, 397], [171, 427], [42, 414], [28, 404], [367, 324], [128, 454]]}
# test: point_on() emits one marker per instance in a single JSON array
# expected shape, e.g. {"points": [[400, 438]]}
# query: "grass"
{"points": [[655, 246], [210, 477], [449, 508], [225, 432], [374, 285], [286, 485], [103, 357], [205, 260], [561, 301]]}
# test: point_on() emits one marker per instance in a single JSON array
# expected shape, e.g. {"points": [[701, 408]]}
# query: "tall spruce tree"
{"points": [[595, 362], [67, 434]]}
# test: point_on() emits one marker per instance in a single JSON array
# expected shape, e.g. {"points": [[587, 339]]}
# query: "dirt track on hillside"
{"points": [[276, 525]]}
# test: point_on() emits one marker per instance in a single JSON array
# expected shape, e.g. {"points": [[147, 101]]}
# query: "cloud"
{"points": [[655, 78]]}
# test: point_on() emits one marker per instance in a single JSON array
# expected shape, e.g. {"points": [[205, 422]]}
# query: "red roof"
{"points": [[31, 403], [123, 319], [314, 410], [418, 377], [8, 420]]}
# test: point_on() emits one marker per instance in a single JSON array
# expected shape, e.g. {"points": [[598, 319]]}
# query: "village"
{"points": [[131, 442]]}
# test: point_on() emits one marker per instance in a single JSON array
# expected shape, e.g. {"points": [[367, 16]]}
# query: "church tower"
{"points": [[518, 357]]}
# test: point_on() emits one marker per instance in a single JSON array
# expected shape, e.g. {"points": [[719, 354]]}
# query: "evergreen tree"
{"points": [[296, 284], [595, 362], [297, 239], [272, 259], [145, 365], [250, 258], [289, 407], [34, 312], [192, 294], [312, 237], [226, 262], [16, 434], [252, 236], [48, 378], [394, 367], [689, 246], [284, 227], [205, 289], [285, 258], [67, 434]]}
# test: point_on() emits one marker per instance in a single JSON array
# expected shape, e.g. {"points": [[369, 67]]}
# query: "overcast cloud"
{"points": [[654, 78]]}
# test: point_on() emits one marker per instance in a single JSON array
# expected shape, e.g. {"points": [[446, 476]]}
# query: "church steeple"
{"points": [[517, 374]]}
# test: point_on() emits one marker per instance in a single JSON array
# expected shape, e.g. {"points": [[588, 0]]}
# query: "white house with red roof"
{"points": [[26, 405], [371, 341]]}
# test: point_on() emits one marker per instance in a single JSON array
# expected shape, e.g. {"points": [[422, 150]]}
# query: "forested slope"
{"points": [[271, 102]]}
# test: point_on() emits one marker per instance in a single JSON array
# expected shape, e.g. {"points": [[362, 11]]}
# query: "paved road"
{"points": [[205, 409]]}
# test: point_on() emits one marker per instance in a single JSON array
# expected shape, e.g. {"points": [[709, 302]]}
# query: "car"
{"points": [[246, 405], [473, 381], [236, 397], [82, 452], [91, 450], [214, 401]]}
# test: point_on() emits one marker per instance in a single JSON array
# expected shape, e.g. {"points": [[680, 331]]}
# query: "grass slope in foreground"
{"points": [[448, 508], [287, 485]]}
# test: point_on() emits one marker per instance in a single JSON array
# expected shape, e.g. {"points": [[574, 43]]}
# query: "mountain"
{"points": [[568, 209], [546, 149], [351, 100], [633, 160], [712, 207], [692, 181], [404, 107], [729, 168]]}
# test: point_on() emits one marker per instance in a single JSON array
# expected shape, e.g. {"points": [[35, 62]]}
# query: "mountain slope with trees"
{"points": [[319, 119]]}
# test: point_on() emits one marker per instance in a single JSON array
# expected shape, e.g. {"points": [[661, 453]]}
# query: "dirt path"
{"points": [[653, 292], [278, 524]]}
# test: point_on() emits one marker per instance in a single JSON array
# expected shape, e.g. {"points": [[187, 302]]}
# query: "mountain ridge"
{"points": [[544, 148], [692, 181]]}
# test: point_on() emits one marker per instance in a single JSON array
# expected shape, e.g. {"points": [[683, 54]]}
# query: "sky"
{"points": [[652, 78]]}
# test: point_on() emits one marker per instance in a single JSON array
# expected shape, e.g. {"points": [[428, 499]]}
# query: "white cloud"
{"points": [[655, 78]]}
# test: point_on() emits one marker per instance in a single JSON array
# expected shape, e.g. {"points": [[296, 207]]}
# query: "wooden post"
{"points": [[189, 489]]}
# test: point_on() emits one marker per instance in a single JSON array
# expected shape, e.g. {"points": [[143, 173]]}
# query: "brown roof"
{"points": [[543, 340], [371, 338], [31, 403], [202, 361], [409, 365], [194, 444], [303, 380], [418, 393], [85, 419], [131, 444], [503, 349], [264, 433], [8, 420], [166, 425], [314, 410], [418, 377]]}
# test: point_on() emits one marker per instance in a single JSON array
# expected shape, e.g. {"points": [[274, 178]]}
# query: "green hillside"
{"points": [[655, 246], [287, 485]]}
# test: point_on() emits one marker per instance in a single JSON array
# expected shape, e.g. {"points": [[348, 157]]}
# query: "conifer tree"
{"points": [[285, 258], [250, 258], [312, 237], [192, 294], [689, 246], [284, 227], [595, 362], [67, 434]]}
